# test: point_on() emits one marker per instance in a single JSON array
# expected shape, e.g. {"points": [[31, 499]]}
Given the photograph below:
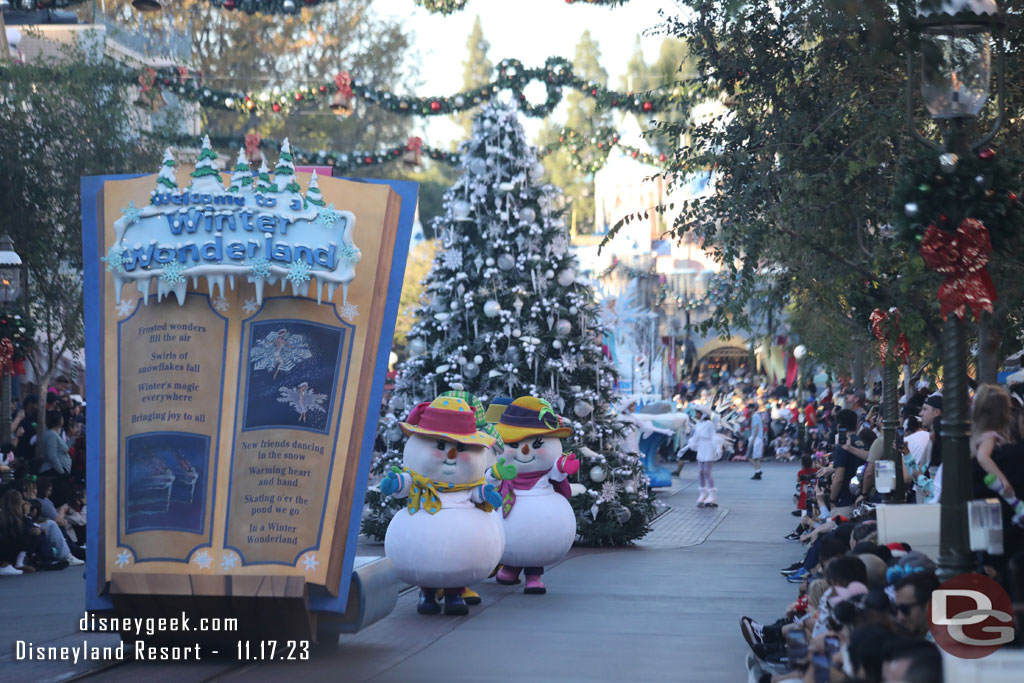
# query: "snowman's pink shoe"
{"points": [[535, 586], [508, 576]]}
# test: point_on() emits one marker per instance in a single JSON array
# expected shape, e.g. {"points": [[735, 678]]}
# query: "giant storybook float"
{"points": [[238, 327]]}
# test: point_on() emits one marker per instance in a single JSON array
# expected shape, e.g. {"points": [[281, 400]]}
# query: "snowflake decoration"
{"points": [[298, 272], [328, 217], [221, 304], [309, 562], [124, 558], [437, 350], [610, 491], [125, 307], [172, 274], [229, 561], [559, 245], [569, 363], [495, 230], [250, 306], [531, 329], [452, 259], [115, 259], [131, 213], [203, 559], [348, 311], [350, 254]]}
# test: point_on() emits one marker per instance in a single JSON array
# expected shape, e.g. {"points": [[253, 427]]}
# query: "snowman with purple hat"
{"points": [[539, 522], [446, 537]]}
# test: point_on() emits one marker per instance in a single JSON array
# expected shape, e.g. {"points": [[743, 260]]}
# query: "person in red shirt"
{"points": [[804, 480], [811, 413]]}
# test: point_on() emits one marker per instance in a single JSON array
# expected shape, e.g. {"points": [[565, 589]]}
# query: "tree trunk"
{"points": [[858, 369], [989, 350]]}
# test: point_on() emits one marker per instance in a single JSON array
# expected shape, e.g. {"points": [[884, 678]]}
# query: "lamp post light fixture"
{"points": [[12, 287], [799, 352], [953, 40]]}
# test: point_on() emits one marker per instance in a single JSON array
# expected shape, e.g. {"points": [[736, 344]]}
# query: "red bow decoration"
{"points": [[414, 144], [182, 74], [344, 83], [886, 328], [6, 356], [147, 79], [252, 146], [961, 257]]}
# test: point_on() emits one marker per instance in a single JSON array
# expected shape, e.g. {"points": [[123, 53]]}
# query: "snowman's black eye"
{"points": [[460, 448], [537, 443], [512, 445], [440, 444]]}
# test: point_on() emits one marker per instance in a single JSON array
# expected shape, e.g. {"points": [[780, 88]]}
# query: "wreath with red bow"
{"points": [[17, 339]]}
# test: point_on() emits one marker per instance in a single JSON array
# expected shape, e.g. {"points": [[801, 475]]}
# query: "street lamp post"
{"points": [[955, 42], [11, 288], [799, 352]]}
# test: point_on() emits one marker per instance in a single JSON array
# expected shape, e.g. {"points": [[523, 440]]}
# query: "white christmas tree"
{"points": [[313, 195], [504, 314], [241, 174], [206, 177], [167, 180], [284, 172], [263, 182]]}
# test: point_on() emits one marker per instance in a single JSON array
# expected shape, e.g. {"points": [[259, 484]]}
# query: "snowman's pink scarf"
{"points": [[522, 482]]}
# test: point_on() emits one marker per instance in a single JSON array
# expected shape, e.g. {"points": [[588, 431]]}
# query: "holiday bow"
{"points": [[414, 144], [147, 79], [962, 258], [344, 83], [886, 328], [252, 145], [6, 356]]}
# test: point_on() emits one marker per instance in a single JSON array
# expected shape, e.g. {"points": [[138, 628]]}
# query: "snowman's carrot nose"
{"points": [[451, 453], [525, 449]]}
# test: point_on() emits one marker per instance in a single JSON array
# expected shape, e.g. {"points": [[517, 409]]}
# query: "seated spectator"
{"points": [[913, 592], [20, 539], [866, 648], [909, 660]]}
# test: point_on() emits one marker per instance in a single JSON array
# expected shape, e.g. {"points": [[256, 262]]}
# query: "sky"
{"points": [[527, 30]]}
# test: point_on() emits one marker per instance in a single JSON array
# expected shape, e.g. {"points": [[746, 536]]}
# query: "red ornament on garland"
{"points": [[276, 107], [229, 4], [435, 106], [647, 106], [662, 157], [298, 97], [986, 154]]}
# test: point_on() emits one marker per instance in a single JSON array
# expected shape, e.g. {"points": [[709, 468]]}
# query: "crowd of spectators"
{"points": [[42, 483], [860, 614]]}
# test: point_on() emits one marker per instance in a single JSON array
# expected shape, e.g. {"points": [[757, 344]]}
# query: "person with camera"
{"points": [[847, 456]]}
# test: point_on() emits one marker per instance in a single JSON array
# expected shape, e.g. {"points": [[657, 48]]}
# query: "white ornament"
{"points": [[598, 474], [489, 262], [471, 370], [557, 344], [492, 308], [536, 172], [461, 209], [417, 347], [582, 408], [506, 262], [477, 166], [506, 187], [527, 215], [910, 208], [478, 359], [567, 277], [441, 369], [563, 328]]}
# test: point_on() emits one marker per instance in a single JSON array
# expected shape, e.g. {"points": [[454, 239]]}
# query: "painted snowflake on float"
{"points": [[229, 561], [298, 272], [221, 304], [348, 311], [115, 259], [309, 562], [131, 213], [350, 254], [203, 559], [328, 217], [173, 273], [124, 558], [260, 267], [250, 306], [125, 307]]}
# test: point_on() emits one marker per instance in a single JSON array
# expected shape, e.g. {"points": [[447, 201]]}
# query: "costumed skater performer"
{"points": [[448, 539], [704, 441], [758, 437], [539, 522]]}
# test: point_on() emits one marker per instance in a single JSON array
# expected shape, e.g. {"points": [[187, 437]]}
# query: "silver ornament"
{"points": [[910, 208], [948, 162], [506, 262], [492, 308], [567, 277], [598, 474]]}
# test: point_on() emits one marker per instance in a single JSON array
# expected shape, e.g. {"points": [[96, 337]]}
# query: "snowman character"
{"points": [[446, 537], [539, 522]]}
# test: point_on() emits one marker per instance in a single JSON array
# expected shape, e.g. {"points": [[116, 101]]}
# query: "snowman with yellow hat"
{"points": [[445, 537], [539, 522]]}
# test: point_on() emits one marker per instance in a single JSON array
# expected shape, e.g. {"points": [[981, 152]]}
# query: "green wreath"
{"points": [[16, 325], [940, 189]]}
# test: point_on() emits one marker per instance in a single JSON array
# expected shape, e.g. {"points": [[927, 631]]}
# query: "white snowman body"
{"points": [[541, 526], [458, 545]]}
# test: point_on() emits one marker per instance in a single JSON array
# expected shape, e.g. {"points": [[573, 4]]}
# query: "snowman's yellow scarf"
{"points": [[424, 493]]}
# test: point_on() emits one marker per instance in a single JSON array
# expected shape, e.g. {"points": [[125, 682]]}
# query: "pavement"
{"points": [[666, 609]]}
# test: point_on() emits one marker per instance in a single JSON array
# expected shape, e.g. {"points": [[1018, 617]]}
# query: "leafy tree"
{"points": [[673, 70], [477, 69], [60, 122]]}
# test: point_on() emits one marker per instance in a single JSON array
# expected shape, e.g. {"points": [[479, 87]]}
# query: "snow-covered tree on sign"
{"points": [[241, 174], [263, 182], [206, 177], [167, 180], [284, 172], [504, 314], [313, 195]]}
